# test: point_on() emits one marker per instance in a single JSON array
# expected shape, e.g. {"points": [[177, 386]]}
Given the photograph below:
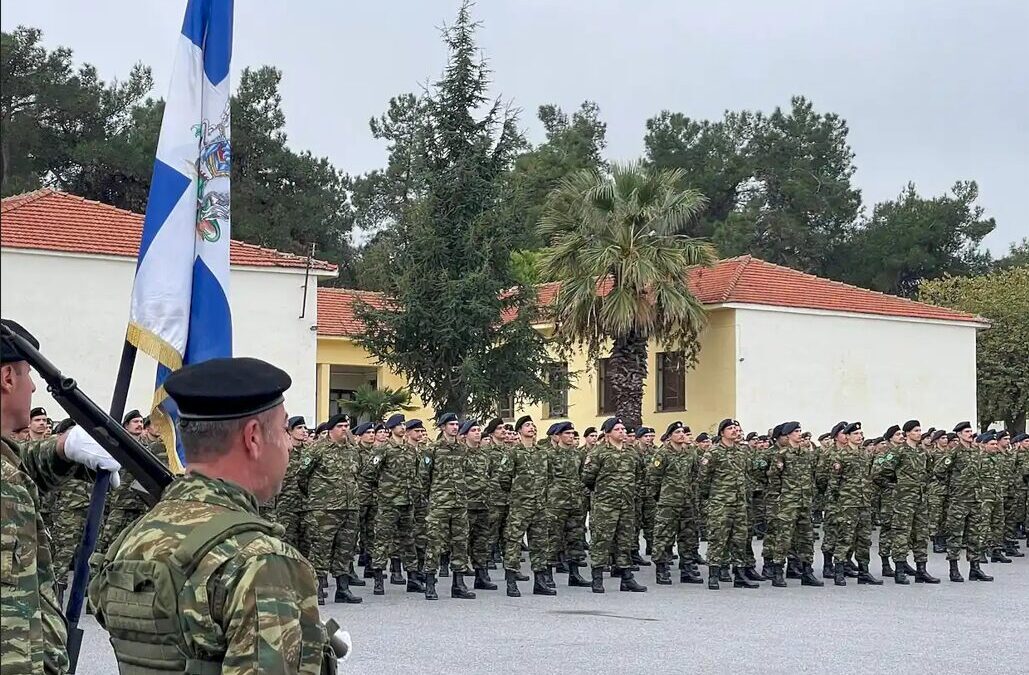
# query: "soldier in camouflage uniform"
{"points": [[214, 588], [564, 505], [937, 491], [1019, 491], [673, 473], [996, 488], [366, 515], [883, 492], [905, 467], [849, 483], [415, 436], [289, 502], [479, 482], [964, 472], [524, 477], [823, 465], [646, 497], [611, 472], [393, 476], [443, 476], [494, 442], [329, 477]]}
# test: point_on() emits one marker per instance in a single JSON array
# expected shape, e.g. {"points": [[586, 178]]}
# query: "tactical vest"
{"points": [[141, 600]]}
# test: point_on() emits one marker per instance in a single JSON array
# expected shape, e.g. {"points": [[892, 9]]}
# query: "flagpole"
{"points": [[94, 516]]}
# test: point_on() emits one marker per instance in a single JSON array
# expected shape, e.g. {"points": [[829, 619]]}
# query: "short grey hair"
{"points": [[204, 440]]}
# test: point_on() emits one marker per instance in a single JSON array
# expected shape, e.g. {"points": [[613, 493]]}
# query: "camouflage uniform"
{"points": [[964, 471], [479, 481], [393, 475], [564, 506], [500, 502], [1016, 515], [994, 487], [366, 517], [905, 469], [849, 489], [34, 632], [289, 504], [330, 480], [883, 501], [791, 478], [673, 473], [524, 477], [646, 497], [823, 464], [125, 503], [72, 503], [443, 476], [936, 492], [612, 474], [723, 480], [247, 607]]}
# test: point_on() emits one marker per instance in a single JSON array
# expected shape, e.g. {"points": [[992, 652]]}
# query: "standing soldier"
{"points": [[964, 472], [883, 494], [414, 436], [611, 473], [393, 475], [646, 497], [564, 502], [996, 487], [791, 476], [71, 502], [1016, 518], [524, 477], [479, 481], [823, 466], [330, 480], [937, 490], [366, 496], [289, 503], [443, 477], [906, 469], [849, 481], [495, 444], [673, 473]]}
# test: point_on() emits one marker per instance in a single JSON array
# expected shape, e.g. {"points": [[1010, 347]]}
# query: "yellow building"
{"points": [[779, 345]]}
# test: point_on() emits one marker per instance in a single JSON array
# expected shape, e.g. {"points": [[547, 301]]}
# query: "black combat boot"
{"points": [[865, 577], [908, 569], [638, 560], [378, 588], [724, 575], [809, 578], [778, 580], [997, 556], [740, 579], [887, 568], [793, 569], [396, 572], [1011, 549], [699, 559], [430, 586], [444, 564], [839, 574], [713, 574], [369, 572], [939, 544], [540, 585], [548, 577], [323, 584], [922, 575], [850, 569], [364, 559], [598, 580], [629, 584], [576, 580], [521, 577], [661, 574], [458, 590], [415, 582], [482, 581], [561, 566], [355, 580], [828, 572], [768, 569], [690, 574], [751, 574], [975, 573], [343, 593], [955, 572], [900, 576], [512, 584]]}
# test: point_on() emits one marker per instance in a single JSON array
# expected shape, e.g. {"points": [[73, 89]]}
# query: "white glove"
{"points": [[79, 447]]}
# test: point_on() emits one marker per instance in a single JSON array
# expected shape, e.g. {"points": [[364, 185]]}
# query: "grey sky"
{"points": [[933, 91]]}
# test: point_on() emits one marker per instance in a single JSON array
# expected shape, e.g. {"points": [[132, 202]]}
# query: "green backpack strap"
{"points": [[202, 539]]}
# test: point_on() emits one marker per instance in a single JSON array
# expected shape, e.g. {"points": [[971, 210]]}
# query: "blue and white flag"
{"points": [[180, 297]]}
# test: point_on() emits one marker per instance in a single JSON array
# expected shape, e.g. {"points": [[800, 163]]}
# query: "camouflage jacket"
{"points": [[330, 476], [33, 628], [251, 604], [904, 467], [525, 474], [478, 477], [673, 473], [963, 471], [850, 477], [791, 474], [499, 457], [612, 474], [759, 461], [392, 473], [443, 474], [565, 487], [995, 474], [723, 473], [127, 497]]}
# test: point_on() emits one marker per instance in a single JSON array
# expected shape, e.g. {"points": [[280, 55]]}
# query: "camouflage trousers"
{"points": [[646, 508], [333, 534], [446, 530], [728, 533], [530, 520], [886, 521], [394, 536], [853, 533], [366, 528], [676, 525], [118, 520], [566, 535], [1014, 515], [421, 535], [937, 514], [479, 537], [288, 515], [910, 521], [829, 529], [497, 521], [757, 512], [66, 534], [614, 534], [993, 524], [790, 533], [964, 529]]}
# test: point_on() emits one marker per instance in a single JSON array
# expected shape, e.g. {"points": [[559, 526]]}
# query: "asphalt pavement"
{"points": [[946, 628]]}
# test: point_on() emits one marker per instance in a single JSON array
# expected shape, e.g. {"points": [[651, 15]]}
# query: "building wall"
{"points": [[78, 307], [820, 368]]}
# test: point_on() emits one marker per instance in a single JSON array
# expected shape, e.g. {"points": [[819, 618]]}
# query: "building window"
{"points": [[557, 406], [671, 381], [605, 392], [506, 407]]}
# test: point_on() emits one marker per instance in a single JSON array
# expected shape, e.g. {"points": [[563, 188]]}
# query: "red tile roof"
{"points": [[743, 280], [50, 220]]}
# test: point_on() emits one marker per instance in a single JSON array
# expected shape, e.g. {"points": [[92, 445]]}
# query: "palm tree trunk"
{"points": [[628, 373]]}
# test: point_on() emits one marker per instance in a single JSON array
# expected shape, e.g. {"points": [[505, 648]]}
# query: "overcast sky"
{"points": [[934, 91]]}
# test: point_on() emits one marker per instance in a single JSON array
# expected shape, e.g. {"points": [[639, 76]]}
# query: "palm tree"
{"points": [[374, 404], [617, 246]]}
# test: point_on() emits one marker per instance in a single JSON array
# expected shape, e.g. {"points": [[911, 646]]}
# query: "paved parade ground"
{"points": [[949, 628]]}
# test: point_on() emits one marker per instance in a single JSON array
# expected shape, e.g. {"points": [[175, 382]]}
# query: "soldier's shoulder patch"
{"points": [[428, 460], [657, 461], [889, 456], [762, 463], [503, 460], [704, 460], [947, 461], [376, 459], [879, 460]]}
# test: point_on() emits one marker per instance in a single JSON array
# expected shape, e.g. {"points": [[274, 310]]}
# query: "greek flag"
{"points": [[180, 297]]}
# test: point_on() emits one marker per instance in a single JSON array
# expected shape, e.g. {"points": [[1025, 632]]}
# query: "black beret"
{"points": [[937, 435], [446, 418], [609, 424], [986, 437], [727, 422], [838, 429], [752, 435], [673, 427], [363, 428], [562, 427], [508, 426], [931, 430], [852, 427], [824, 436], [295, 422], [643, 431], [395, 421], [338, 418], [227, 388], [129, 416], [551, 428], [894, 428], [466, 426], [146, 422], [493, 425], [521, 421], [414, 424], [776, 431], [951, 436], [63, 426], [320, 428], [1003, 433], [869, 441], [961, 426], [788, 428], [704, 436], [589, 430], [911, 424], [1019, 438], [37, 412], [378, 426], [762, 437], [8, 352]]}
